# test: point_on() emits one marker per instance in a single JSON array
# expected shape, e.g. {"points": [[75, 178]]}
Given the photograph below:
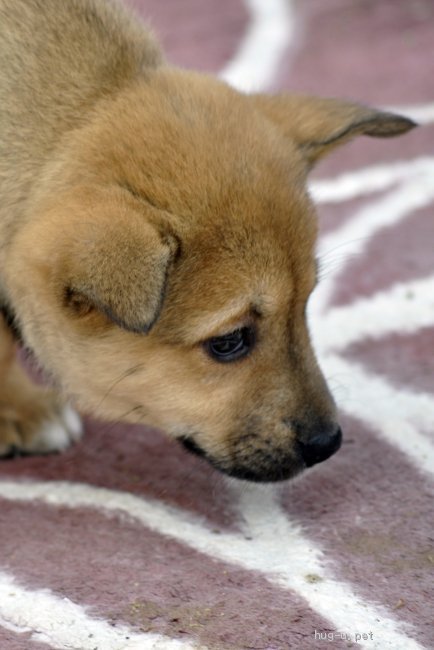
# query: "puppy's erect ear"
{"points": [[117, 261], [317, 125]]}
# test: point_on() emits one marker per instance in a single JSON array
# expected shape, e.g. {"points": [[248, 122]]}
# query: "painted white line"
{"points": [[62, 624], [412, 195], [353, 236], [300, 565], [282, 554], [404, 308], [395, 415], [364, 181], [271, 28]]}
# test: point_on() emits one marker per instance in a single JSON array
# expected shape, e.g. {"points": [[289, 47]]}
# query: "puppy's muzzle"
{"points": [[275, 464]]}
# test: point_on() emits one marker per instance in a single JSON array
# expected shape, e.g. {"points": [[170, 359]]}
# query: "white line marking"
{"points": [[369, 179], [386, 211], [295, 560], [404, 308], [271, 28], [394, 414], [278, 550], [354, 235], [62, 624]]}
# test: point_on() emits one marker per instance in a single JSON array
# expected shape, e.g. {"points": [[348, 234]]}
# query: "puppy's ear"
{"points": [[117, 260], [317, 125]]}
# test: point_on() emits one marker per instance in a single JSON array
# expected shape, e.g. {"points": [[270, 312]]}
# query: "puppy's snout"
{"points": [[321, 446]]}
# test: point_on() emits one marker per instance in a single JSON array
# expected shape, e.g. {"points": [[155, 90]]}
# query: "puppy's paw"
{"points": [[42, 428]]}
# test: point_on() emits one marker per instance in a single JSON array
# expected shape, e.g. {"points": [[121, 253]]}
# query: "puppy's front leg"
{"points": [[33, 419]]}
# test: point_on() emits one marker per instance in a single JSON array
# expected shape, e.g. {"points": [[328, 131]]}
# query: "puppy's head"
{"points": [[166, 276]]}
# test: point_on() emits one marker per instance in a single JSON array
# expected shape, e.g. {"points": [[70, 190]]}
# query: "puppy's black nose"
{"points": [[320, 447]]}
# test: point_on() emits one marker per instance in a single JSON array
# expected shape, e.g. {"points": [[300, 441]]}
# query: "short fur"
{"points": [[145, 209]]}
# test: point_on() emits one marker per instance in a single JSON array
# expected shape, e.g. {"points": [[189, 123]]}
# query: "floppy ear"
{"points": [[317, 125], [117, 260]]}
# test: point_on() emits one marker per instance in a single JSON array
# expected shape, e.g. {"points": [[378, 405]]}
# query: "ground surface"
{"points": [[127, 542]]}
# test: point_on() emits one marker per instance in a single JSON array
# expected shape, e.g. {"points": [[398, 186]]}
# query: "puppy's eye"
{"points": [[231, 347]]}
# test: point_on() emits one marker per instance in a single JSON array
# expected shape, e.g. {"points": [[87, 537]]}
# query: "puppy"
{"points": [[157, 243]]}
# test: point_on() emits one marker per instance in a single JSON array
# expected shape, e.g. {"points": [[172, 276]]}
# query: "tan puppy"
{"points": [[157, 243]]}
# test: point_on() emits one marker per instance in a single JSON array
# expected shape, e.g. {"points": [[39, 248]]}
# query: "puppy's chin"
{"points": [[260, 468]]}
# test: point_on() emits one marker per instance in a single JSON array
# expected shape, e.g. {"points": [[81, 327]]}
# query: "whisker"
{"points": [[109, 427], [124, 375]]}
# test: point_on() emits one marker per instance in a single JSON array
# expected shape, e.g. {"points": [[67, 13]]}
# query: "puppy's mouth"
{"points": [[267, 464], [261, 468], [190, 445]]}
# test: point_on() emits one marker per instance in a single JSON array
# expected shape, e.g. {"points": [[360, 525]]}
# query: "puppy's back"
{"points": [[56, 59]]}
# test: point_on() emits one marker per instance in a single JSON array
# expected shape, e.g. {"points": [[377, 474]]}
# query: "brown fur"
{"points": [[145, 209]]}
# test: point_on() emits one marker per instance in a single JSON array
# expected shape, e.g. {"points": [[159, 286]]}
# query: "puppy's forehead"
{"points": [[198, 142], [215, 162], [239, 265]]}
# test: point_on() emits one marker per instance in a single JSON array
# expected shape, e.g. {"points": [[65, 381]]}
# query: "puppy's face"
{"points": [[249, 389], [171, 263]]}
